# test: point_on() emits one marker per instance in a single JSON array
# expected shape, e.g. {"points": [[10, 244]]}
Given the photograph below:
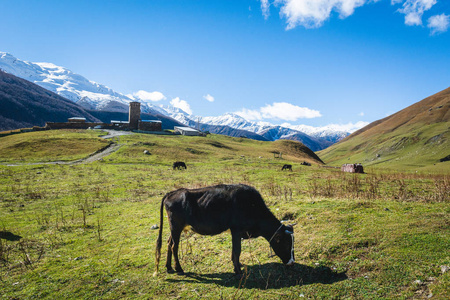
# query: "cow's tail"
{"points": [[159, 240]]}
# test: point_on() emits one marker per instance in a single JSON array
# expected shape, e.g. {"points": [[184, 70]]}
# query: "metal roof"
{"points": [[186, 128], [151, 121]]}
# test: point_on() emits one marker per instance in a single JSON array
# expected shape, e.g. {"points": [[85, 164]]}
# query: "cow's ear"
{"points": [[289, 229]]}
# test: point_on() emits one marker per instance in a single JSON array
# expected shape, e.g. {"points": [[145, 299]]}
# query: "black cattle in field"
{"points": [[286, 167], [179, 165], [215, 209]]}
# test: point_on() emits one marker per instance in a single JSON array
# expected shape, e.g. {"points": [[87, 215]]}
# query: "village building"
{"points": [[134, 122], [187, 131], [150, 125]]}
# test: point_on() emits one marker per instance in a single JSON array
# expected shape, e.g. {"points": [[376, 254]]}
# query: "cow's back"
{"points": [[215, 209]]}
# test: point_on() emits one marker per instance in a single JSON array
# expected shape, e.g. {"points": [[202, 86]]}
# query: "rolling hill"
{"points": [[164, 148], [413, 138]]}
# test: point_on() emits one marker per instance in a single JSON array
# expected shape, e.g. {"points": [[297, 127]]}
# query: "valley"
{"points": [[85, 229]]}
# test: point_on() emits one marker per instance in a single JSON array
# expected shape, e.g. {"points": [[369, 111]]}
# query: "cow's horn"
{"points": [[288, 232]]}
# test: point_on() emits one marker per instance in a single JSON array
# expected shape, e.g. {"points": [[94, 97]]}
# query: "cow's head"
{"points": [[283, 244]]}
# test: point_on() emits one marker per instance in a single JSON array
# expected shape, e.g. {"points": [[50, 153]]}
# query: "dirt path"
{"points": [[113, 147]]}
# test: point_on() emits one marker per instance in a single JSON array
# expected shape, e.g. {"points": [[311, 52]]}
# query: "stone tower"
{"points": [[134, 115]]}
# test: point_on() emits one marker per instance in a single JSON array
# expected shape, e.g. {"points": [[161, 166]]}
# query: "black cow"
{"points": [[286, 167], [179, 165], [215, 209]]}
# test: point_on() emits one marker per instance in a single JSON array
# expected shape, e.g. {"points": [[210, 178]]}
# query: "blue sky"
{"points": [[313, 62]]}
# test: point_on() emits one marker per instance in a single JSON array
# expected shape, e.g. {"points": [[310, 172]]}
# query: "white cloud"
{"points": [[313, 13], [288, 112], [349, 127], [147, 96], [248, 114], [181, 104], [361, 114], [209, 98], [279, 110], [414, 9], [265, 5], [439, 23]]}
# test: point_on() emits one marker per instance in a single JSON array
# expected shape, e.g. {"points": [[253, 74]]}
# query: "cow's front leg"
{"points": [[236, 251]]}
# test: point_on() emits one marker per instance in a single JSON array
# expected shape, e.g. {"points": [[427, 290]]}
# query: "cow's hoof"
{"points": [[170, 271], [180, 272]]}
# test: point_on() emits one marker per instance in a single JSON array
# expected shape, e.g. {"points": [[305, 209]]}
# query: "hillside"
{"points": [[164, 149], [25, 104], [413, 138]]}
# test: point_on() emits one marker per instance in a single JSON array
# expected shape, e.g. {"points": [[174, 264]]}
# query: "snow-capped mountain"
{"points": [[95, 96], [266, 130], [65, 83], [270, 131]]}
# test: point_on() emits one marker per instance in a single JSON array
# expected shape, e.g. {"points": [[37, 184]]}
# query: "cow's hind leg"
{"points": [[176, 242], [236, 251], [169, 255]]}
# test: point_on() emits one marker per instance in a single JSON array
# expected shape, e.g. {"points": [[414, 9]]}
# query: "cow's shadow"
{"points": [[268, 276], [9, 236]]}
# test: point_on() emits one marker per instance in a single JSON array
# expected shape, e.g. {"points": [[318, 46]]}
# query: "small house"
{"points": [[120, 124], [187, 131], [150, 125], [352, 168]]}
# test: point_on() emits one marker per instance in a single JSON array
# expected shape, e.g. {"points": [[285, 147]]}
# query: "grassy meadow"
{"points": [[83, 231]]}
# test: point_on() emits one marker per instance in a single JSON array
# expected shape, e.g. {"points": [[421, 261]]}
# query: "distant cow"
{"points": [[215, 209], [305, 163], [179, 165], [286, 167]]}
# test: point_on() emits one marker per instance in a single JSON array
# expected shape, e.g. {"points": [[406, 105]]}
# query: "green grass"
{"points": [[45, 146], [86, 228]]}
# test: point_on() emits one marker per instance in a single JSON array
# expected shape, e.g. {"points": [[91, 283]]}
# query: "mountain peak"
{"points": [[63, 82]]}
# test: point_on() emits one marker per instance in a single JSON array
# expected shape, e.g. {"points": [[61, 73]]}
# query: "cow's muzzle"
{"points": [[290, 262]]}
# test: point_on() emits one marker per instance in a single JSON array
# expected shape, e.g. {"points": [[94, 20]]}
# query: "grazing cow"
{"points": [[286, 167], [215, 209], [179, 165]]}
